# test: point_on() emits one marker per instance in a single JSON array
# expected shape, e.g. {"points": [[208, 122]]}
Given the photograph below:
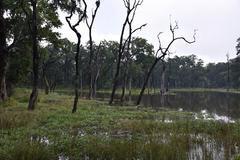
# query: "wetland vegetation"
{"points": [[100, 131]]}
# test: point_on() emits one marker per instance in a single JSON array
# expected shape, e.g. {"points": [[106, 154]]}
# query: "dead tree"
{"points": [[82, 14], [128, 56], [131, 10], [163, 52], [90, 26]]}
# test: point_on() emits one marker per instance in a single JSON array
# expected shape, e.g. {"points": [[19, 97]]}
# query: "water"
{"points": [[220, 104]]}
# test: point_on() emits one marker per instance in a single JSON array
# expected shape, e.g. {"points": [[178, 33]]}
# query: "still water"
{"points": [[223, 104]]}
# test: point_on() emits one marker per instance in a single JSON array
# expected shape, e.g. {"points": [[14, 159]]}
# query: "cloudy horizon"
{"points": [[216, 21]]}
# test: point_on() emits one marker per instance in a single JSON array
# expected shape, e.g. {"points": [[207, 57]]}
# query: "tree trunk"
{"points": [[130, 88], [3, 88], [35, 57], [46, 84], [162, 89], [3, 55], [45, 80], [81, 84], [124, 85], [148, 86], [90, 67], [95, 83], [120, 53], [90, 82], [146, 81], [74, 109]]}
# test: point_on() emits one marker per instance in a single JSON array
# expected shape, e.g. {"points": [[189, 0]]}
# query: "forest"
{"points": [[109, 99]]}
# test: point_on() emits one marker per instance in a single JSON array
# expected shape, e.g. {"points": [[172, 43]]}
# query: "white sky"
{"points": [[217, 22]]}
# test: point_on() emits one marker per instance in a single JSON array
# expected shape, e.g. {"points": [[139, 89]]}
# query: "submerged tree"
{"points": [[131, 11], [82, 14], [161, 53]]}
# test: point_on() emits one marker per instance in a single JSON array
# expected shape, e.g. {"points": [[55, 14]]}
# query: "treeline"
{"points": [[57, 68]]}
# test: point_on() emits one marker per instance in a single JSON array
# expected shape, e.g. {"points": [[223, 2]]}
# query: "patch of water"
{"points": [[43, 140], [63, 157], [205, 146], [213, 117], [180, 109]]}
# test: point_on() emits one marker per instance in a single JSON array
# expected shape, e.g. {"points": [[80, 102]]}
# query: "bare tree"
{"points": [[128, 56], [90, 26], [163, 52], [131, 10], [82, 14]]}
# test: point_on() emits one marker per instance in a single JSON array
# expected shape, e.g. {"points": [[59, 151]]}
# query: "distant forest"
{"points": [[57, 68]]}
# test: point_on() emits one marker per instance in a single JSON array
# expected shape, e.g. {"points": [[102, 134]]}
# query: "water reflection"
{"points": [[219, 103], [222, 104]]}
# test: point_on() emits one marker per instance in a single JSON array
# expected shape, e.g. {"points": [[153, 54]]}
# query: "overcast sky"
{"points": [[217, 22]]}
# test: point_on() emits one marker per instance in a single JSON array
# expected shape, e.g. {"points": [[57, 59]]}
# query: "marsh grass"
{"points": [[99, 131]]}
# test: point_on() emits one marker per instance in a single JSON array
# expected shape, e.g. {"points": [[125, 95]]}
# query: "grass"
{"points": [[136, 91], [100, 131], [222, 90]]}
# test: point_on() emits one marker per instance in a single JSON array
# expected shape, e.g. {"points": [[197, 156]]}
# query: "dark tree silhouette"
{"points": [[81, 17], [131, 10], [163, 53], [35, 57]]}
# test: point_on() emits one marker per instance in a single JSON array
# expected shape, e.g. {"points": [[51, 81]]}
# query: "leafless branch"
{"points": [[165, 51], [81, 15], [130, 35], [94, 13]]}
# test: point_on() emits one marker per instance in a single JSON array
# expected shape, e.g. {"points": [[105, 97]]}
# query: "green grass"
{"points": [[172, 91], [222, 90], [100, 131]]}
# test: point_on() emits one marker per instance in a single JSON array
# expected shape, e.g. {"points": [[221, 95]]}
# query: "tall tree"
{"points": [[35, 57], [91, 51], [163, 52], [82, 14], [42, 17], [14, 31], [131, 11], [3, 54]]}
